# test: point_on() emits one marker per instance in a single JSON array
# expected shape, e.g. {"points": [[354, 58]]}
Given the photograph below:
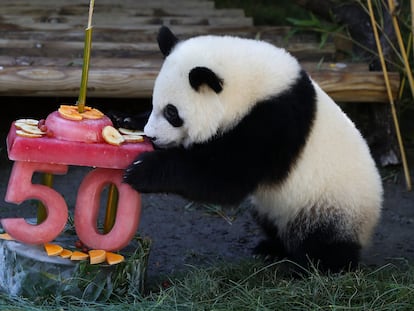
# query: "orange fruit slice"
{"points": [[66, 253], [69, 112], [6, 236], [96, 256], [53, 249], [92, 114], [114, 258], [77, 255]]}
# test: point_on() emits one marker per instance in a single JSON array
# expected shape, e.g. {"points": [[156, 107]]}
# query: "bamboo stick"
{"points": [[408, 51], [401, 44], [111, 208], [86, 57], [412, 22], [391, 100], [47, 180]]}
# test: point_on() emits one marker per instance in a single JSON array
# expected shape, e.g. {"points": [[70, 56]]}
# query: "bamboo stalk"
{"points": [[408, 51], [47, 180], [86, 57], [401, 44], [112, 200], [412, 22], [111, 208], [391, 99]]}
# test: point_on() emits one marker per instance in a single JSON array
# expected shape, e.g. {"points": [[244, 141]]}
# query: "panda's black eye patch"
{"points": [[170, 113]]}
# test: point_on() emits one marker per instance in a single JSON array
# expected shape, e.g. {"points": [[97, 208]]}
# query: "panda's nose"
{"points": [[152, 138]]}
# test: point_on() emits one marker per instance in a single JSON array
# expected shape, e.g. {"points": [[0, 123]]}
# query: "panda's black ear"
{"points": [[203, 75], [166, 40]]}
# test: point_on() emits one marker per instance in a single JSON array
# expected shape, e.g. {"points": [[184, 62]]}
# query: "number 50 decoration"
{"points": [[110, 162]]}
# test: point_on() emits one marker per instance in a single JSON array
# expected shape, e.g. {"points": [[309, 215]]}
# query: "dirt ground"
{"points": [[198, 235], [184, 234]]}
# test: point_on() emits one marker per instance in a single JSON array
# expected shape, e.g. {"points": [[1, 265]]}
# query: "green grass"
{"points": [[252, 286]]}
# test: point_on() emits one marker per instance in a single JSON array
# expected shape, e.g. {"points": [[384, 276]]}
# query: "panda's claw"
{"points": [[142, 173], [130, 178]]}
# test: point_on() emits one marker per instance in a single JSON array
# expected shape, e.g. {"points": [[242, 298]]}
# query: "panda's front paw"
{"points": [[129, 121], [141, 174], [119, 119]]}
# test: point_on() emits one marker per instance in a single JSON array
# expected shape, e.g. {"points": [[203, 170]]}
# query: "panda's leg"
{"points": [[327, 250], [272, 247]]}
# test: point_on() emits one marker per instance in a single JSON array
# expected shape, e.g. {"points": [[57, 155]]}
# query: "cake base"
{"points": [[27, 271]]}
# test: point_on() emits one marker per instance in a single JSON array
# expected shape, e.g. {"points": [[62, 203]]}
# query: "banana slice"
{"points": [[32, 129], [133, 138], [27, 134], [112, 136], [130, 132], [28, 128], [18, 122]]}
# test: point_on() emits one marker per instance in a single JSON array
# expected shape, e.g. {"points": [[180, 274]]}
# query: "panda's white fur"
{"points": [[324, 200], [335, 170], [207, 114]]}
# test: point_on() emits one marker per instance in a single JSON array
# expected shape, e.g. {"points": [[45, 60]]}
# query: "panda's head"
{"points": [[207, 84]]}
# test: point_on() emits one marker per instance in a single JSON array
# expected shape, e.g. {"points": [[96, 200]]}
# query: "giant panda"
{"points": [[235, 119]]}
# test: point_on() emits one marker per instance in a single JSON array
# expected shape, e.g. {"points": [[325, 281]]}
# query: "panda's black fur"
{"points": [[220, 171], [261, 151]]}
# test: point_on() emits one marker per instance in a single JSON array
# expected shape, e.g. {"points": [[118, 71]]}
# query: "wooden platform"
{"points": [[41, 48]]}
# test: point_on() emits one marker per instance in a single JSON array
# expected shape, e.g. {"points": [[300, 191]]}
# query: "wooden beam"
{"points": [[112, 82]]}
